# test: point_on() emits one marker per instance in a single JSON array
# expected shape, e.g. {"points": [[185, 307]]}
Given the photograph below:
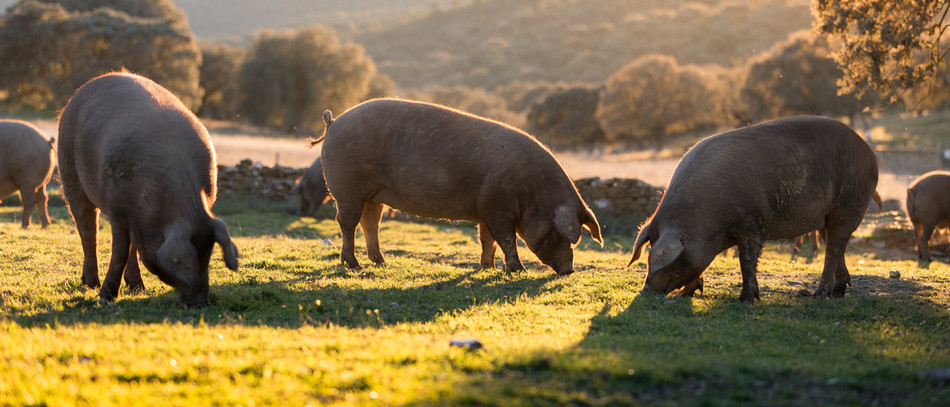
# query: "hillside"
{"points": [[485, 43], [236, 21], [492, 42]]}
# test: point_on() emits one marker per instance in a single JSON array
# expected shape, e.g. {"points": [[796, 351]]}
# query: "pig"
{"points": [[928, 207], [438, 162], [774, 180], [131, 149], [27, 159], [799, 241], [312, 190]]}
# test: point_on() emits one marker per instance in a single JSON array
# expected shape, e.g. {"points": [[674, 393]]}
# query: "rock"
{"points": [[467, 344], [940, 376]]}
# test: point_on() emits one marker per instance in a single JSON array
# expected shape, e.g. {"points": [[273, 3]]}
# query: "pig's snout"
{"points": [[658, 284], [565, 272], [196, 302]]}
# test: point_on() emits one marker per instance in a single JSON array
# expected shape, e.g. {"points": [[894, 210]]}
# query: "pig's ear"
{"points": [[567, 224], [587, 218], [665, 250], [298, 186], [223, 238], [642, 239]]}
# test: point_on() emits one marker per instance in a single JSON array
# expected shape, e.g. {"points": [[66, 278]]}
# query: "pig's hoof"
{"points": [[353, 266], [135, 288], [200, 304], [821, 292], [749, 297], [105, 301], [565, 273], [91, 283]]}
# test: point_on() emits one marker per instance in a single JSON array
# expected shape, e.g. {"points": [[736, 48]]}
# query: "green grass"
{"points": [[293, 327]]}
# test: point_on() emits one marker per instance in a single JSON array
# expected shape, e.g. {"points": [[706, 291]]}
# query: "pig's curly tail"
{"points": [[328, 120]]}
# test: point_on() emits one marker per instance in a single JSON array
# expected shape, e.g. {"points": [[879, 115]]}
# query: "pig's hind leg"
{"points": [[41, 202], [923, 233], [369, 221], [488, 246], [348, 215], [835, 276], [749, 251]]}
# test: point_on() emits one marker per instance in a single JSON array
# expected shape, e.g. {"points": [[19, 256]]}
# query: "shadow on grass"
{"points": [[303, 301], [789, 350]]}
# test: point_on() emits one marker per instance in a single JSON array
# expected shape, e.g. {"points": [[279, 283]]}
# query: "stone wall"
{"points": [[269, 182], [620, 196], [613, 196]]}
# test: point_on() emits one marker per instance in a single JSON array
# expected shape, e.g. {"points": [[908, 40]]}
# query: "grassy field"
{"points": [[293, 327]]}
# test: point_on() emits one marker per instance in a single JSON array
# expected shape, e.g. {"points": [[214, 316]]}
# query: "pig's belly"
{"points": [[791, 228], [431, 204]]}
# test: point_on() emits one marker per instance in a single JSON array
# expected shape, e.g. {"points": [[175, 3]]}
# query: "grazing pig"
{"points": [[799, 241], [438, 162], [27, 160], [130, 148], [928, 206], [774, 180], [312, 189]]}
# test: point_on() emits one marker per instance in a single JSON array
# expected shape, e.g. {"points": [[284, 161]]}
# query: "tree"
{"points": [[219, 72], [50, 49], [654, 97], [472, 100], [566, 118], [289, 78], [797, 76], [881, 41]]}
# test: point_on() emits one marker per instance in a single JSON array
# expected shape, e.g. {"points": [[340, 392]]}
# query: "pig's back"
{"points": [[125, 129], [786, 174], [431, 160]]}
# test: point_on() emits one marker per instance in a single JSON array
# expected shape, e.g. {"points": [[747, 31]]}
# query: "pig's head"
{"points": [[552, 236], [184, 255], [672, 263], [311, 196]]}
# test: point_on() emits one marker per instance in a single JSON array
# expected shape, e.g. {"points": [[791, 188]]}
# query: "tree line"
{"points": [[285, 79]]}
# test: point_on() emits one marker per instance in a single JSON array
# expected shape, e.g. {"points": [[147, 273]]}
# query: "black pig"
{"points": [[774, 180], [130, 148]]}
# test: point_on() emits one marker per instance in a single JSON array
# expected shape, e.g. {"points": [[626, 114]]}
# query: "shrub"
{"points": [[472, 100], [49, 48], [797, 76], [654, 97], [289, 78], [566, 118], [219, 72]]}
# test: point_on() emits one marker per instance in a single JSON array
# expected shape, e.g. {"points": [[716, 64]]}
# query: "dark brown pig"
{"points": [[27, 159], [775, 180], [130, 148], [437, 162], [312, 190], [928, 207]]}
